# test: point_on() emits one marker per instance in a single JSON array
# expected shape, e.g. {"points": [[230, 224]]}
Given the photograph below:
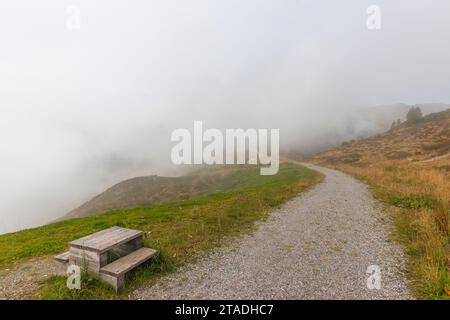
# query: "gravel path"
{"points": [[317, 246], [23, 281]]}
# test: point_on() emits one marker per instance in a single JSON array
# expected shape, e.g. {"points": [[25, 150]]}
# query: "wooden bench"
{"points": [[114, 273], [93, 252]]}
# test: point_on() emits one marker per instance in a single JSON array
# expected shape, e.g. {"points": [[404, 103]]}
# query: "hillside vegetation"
{"points": [[408, 168], [180, 230], [142, 191]]}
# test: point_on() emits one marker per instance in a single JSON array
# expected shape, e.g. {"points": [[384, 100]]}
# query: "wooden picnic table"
{"points": [[94, 253], [95, 250]]}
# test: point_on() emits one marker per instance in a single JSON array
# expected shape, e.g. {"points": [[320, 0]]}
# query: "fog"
{"points": [[83, 109]]}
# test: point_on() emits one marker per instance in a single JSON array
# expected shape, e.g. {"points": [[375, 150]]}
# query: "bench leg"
{"points": [[116, 282], [120, 282]]}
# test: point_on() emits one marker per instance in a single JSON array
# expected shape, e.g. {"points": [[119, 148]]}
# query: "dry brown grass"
{"points": [[406, 169], [419, 198]]}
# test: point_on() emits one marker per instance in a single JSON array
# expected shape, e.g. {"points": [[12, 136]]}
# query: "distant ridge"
{"points": [[421, 140], [149, 190]]}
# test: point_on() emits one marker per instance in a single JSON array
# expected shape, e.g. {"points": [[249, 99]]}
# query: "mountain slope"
{"points": [[355, 123], [148, 190], [427, 138]]}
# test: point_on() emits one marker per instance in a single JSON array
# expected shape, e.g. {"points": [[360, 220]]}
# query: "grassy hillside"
{"points": [[180, 230], [408, 168], [142, 191]]}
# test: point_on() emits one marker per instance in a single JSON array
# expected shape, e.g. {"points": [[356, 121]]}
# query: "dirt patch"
{"points": [[22, 281]]}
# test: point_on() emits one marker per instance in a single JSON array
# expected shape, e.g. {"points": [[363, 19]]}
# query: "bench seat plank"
{"points": [[126, 263]]}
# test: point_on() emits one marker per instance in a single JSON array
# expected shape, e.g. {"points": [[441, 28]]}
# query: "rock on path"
{"points": [[317, 246]]}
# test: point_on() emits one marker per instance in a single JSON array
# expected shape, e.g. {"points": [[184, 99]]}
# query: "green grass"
{"points": [[179, 230], [414, 202]]}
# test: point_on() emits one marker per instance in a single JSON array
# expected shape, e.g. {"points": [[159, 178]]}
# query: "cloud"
{"points": [[81, 110]]}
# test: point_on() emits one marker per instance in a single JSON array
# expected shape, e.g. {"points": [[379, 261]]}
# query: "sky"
{"points": [[82, 109]]}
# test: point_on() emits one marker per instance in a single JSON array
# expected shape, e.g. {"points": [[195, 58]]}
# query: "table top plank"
{"points": [[106, 239]]}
